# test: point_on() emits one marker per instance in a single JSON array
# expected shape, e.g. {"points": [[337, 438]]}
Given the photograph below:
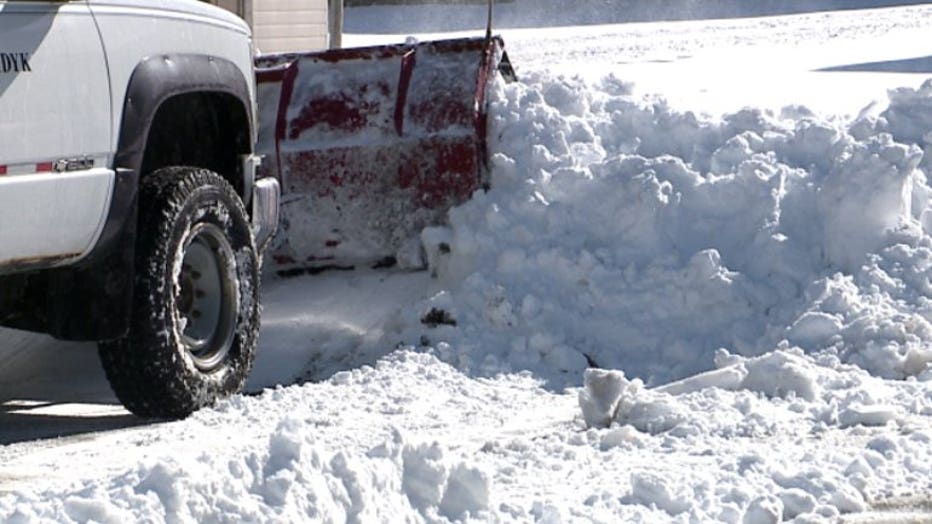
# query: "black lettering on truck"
{"points": [[15, 63]]}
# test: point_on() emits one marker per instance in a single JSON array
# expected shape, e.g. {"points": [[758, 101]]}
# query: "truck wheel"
{"points": [[195, 319]]}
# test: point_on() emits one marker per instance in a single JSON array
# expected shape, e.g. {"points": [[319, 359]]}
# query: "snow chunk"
{"points": [[796, 502], [424, 475], [467, 493], [876, 415], [764, 510], [600, 395], [782, 374], [653, 490]]}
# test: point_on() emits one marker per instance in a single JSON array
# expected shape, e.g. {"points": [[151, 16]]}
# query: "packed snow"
{"points": [[657, 314]]}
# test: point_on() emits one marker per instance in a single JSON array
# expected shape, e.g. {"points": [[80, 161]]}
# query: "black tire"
{"points": [[195, 317]]}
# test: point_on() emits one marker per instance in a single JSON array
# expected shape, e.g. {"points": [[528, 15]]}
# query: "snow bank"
{"points": [[794, 387], [624, 234], [412, 439], [772, 396], [294, 472]]}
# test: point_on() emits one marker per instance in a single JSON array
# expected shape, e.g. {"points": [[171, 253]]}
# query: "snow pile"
{"points": [[414, 440], [792, 387], [908, 118], [623, 234], [293, 472], [767, 398]]}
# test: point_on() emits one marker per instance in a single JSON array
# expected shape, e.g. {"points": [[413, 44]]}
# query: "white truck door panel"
{"points": [[55, 132], [43, 234]]}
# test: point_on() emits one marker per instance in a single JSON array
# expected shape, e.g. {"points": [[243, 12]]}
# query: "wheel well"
{"points": [[201, 129]]}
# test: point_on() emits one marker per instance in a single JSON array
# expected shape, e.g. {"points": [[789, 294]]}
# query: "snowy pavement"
{"points": [[668, 308], [716, 66]]}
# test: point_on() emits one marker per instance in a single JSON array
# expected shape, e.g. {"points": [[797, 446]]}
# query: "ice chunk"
{"points": [[599, 397]]}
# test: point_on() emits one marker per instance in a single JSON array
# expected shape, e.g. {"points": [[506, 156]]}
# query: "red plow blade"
{"points": [[372, 144]]}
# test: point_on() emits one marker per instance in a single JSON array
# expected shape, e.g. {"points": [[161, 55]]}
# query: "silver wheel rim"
{"points": [[206, 296]]}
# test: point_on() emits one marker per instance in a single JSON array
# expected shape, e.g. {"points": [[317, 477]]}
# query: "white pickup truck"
{"points": [[130, 209]]}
